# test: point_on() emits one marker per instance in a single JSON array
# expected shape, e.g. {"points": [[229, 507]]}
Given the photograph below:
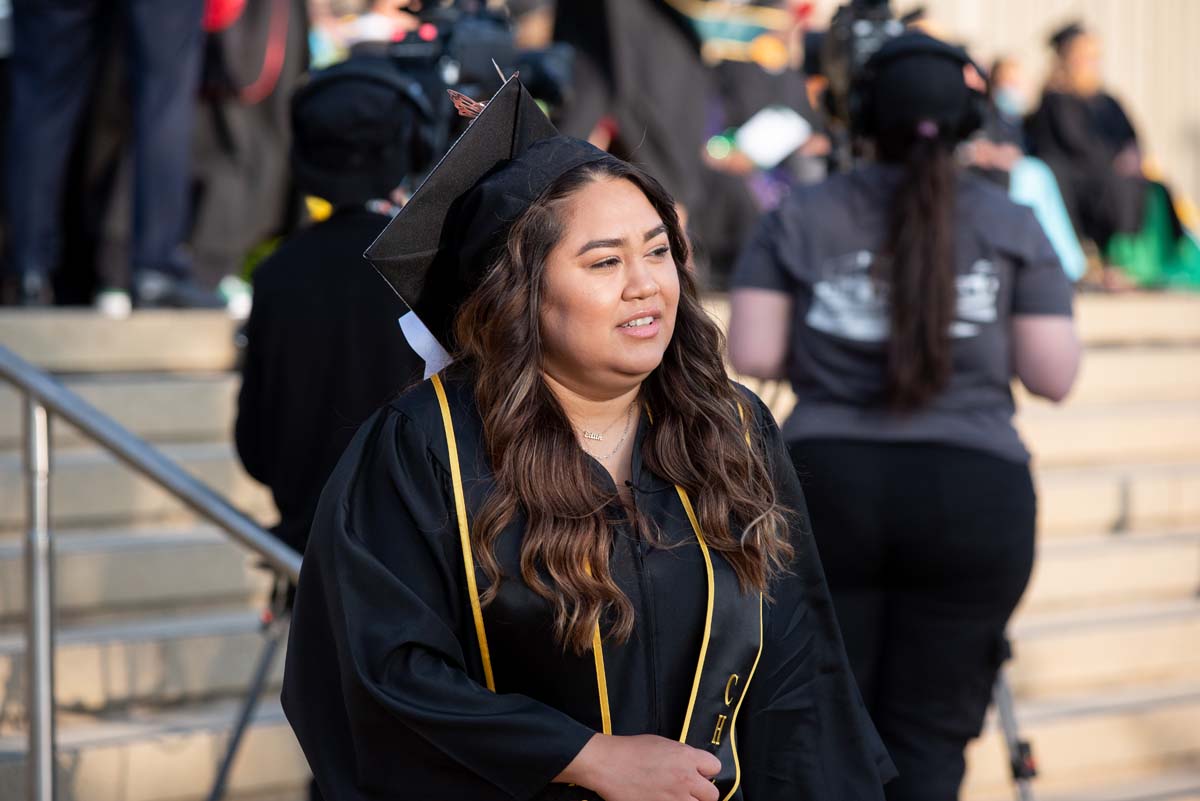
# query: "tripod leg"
{"points": [[274, 636], [1020, 753]]}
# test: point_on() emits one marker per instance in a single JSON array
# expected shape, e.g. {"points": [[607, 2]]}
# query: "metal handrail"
{"points": [[44, 395]]}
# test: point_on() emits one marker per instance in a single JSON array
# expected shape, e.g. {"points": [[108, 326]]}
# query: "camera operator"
{"points": [[899, 299], [323, 345]]}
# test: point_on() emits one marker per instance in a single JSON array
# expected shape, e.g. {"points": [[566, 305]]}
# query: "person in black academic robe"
{"points": [[323, 351], [404, 702], [638, 65], [401, 683], [1084, 135], [323, 346]]}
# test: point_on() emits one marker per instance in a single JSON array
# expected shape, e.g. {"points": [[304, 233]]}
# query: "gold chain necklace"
{"points": [[624, 435], [599, 436]]}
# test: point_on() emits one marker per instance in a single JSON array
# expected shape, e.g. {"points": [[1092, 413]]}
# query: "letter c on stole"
{"points": [[733, 680]]}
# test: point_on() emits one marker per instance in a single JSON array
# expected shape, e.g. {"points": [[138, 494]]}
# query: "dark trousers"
{"points": [[1101, 203], [57, 46], [927, 550]]}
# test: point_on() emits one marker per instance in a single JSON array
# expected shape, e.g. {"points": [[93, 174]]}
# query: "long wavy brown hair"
{"points": [[697, 439]]}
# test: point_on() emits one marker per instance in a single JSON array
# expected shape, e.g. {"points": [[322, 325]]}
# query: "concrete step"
{"points": [[1080, 501], [89, 487], [1168, 785], [1105, 649], [1113, 569], [1175, 785], [1138, 318], [104, 571], [1120, 738], [149, 755], [1132, 373], [163, 660], [1112, 433], [160, 407], [79, 340]]}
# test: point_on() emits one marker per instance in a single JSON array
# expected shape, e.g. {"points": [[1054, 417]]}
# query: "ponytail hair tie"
{"points": [[927, 129]]}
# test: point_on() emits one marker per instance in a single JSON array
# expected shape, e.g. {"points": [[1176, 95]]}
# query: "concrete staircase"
{"points": [[158, 614]]}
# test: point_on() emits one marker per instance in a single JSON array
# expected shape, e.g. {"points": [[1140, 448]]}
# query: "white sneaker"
{"points": [[113, 303]]}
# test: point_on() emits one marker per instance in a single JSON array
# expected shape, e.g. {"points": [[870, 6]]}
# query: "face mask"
{"points": [[1009, 102]]}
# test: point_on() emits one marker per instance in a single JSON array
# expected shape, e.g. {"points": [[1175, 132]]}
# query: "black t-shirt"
{"points": [[819, 247]]}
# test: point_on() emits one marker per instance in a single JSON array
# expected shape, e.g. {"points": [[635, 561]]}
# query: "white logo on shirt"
{"points": [[852, 304]]}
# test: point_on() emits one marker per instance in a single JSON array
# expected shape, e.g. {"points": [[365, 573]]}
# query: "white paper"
{"points": [[772, 135]]}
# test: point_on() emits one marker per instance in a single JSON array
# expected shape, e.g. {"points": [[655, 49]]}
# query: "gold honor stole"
{"points": [[729, 651]]}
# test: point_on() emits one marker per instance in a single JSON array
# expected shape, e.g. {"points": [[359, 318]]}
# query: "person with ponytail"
{"points": [[574, 563], [900, 300]]}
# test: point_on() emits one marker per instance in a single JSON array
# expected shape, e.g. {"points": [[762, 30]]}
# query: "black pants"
{"points": [[1101, 204], [927, 550], [56, 49]]}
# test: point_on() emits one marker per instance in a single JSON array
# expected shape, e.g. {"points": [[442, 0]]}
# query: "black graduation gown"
{"points": [[1078, 137], [637, 61], [323, 351], [385, 686]]}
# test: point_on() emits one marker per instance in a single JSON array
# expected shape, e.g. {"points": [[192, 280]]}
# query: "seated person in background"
{"points": [[324, 348], [1086, 138]]}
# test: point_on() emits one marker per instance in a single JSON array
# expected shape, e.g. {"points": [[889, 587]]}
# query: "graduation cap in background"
{"points": [[436, 250]]}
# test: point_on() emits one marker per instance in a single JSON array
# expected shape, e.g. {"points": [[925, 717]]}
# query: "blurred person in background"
{"points": [[655, 79], [242, 187], [899, 300], [762, 134], [57, 45], [1085, 136], [640, 89], [323, 345], [1008, 92]]}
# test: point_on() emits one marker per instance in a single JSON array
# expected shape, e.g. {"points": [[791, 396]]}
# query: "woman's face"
{"points": [[610, 291], [1082, 62]]}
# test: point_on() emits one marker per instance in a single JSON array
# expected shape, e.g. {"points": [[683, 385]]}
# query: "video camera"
{"points": [[857, 31], [462, 45]]}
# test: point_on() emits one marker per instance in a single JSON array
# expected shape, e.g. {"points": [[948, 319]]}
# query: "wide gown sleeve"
{"points": [[805, 733], [384, 697]]}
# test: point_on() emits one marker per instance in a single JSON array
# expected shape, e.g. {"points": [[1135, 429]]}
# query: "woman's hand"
{"points": [[643, 768]]}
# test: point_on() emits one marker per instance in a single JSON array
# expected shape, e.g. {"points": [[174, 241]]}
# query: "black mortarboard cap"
{"points": [[436, 250]]}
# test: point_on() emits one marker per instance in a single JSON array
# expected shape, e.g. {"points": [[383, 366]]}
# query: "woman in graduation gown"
{"points": [[575, 564], [1087, 139]]}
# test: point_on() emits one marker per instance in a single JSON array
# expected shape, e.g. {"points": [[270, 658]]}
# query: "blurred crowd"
{"points": [[146, 153]]}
